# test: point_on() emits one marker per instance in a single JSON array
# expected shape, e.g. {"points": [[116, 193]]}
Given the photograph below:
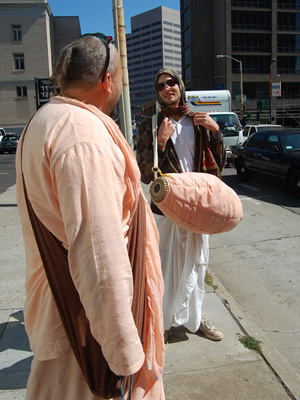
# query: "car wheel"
{"points": [[295, 183], [242, 172]]}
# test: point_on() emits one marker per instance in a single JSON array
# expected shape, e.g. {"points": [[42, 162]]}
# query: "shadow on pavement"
{"points": [[15, 354]]}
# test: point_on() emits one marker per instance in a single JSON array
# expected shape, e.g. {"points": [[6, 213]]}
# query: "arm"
{"points": [[144, 148]]}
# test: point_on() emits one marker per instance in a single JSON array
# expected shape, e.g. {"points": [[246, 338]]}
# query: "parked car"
{"points": [[252, 128], [248, 131], [9, 143], [274, 152], [2, 133]]}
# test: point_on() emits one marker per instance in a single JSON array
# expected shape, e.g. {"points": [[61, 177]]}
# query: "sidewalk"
{"points": [[196, 368]]}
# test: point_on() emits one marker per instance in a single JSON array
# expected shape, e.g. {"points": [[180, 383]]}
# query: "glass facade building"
{"points": [[263, 34]]}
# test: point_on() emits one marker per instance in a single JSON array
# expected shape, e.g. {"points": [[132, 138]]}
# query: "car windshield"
{"points": [[10, 138], [291, 141], [228, 123]]}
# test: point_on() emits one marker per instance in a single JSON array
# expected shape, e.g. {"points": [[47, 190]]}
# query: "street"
{"points": [[7, 171], [258, 262]]}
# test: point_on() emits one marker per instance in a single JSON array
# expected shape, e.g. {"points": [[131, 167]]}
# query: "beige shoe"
{"points": [[209, 330]]}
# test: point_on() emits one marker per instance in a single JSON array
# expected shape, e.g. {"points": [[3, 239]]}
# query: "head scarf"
{"points": [[183, 107]]}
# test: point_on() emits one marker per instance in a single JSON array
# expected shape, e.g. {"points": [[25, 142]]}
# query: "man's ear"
{"points": [[107, 83]]}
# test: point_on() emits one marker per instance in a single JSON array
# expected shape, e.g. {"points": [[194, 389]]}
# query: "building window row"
{"points": [[259, 20], [252, 3], [251, 42], [289, 4], [261, 64], [288, 65], [288, 21], [288, 43], [147, 26]]}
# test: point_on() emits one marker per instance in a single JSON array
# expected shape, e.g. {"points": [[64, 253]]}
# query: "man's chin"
{"points": [[114, 113]]}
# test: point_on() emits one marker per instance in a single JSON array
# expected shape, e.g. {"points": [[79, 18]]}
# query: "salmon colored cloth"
{"points": [[83, 183], [200, 203]]}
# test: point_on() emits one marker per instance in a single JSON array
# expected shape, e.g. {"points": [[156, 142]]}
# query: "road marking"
{"points": [[3, 173], [250, 199], [249, 187]]}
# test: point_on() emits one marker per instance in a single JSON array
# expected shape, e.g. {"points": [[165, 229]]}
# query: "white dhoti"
{"points": [[184, 259]]}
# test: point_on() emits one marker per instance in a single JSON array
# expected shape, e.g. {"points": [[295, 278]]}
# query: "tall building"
{"points": [[260, 44], [31, 39], [154, 43]]}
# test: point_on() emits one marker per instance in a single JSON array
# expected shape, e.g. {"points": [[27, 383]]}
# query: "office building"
{"points": [[154, 43], [260, 44], [31, 39]]}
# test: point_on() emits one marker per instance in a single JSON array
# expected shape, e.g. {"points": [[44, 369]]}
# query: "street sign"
{"points": [[276, 89], [44, 90]]}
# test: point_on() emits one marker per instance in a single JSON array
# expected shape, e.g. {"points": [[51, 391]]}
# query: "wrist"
{"points": [[161, 144]]}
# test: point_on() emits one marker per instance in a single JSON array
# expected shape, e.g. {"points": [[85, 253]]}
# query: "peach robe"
{"points": [[83, 182]]}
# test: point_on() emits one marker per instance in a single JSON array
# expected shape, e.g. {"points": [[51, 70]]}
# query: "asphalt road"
{"points": [[269, 189], [7, 171]]}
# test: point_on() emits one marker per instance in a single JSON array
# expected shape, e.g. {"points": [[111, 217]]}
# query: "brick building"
{"points": [[30, 41]]}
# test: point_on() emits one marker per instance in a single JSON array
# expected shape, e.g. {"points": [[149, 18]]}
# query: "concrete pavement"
{"points": [[196, 368]]}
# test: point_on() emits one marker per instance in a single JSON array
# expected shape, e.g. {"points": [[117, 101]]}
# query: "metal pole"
{"points": [[271, 72], [241, 91], [241, 81], [120, 41]]}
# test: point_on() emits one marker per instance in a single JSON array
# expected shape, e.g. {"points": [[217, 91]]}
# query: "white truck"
{"points": [[217, 103]]}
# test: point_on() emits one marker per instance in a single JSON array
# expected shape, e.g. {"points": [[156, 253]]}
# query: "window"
{"points": [[271, 142], [256, 141], [186, 37], [185, 3], [21, 91], [186, 18], [19, 63], [16, 33], [187, 55]]}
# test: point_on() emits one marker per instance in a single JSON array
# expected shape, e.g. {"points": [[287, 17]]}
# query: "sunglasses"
{"points": [[106, 40], [170, 82]]}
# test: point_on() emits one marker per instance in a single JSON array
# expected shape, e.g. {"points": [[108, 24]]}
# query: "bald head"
{"points": [[80, 64]]}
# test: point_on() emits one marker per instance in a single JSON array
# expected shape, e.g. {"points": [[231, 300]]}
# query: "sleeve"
{"points": [[218, 149], [144, 151], [91, 192]]}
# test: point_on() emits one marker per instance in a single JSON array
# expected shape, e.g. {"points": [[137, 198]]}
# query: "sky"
{"points": [[97, 16]]}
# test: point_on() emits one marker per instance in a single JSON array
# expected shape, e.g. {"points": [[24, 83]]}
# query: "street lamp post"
{"points": [[271, 87], [241, 81]]}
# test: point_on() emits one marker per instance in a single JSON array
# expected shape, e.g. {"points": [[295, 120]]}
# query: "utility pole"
{"points": [[120, 42]]}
